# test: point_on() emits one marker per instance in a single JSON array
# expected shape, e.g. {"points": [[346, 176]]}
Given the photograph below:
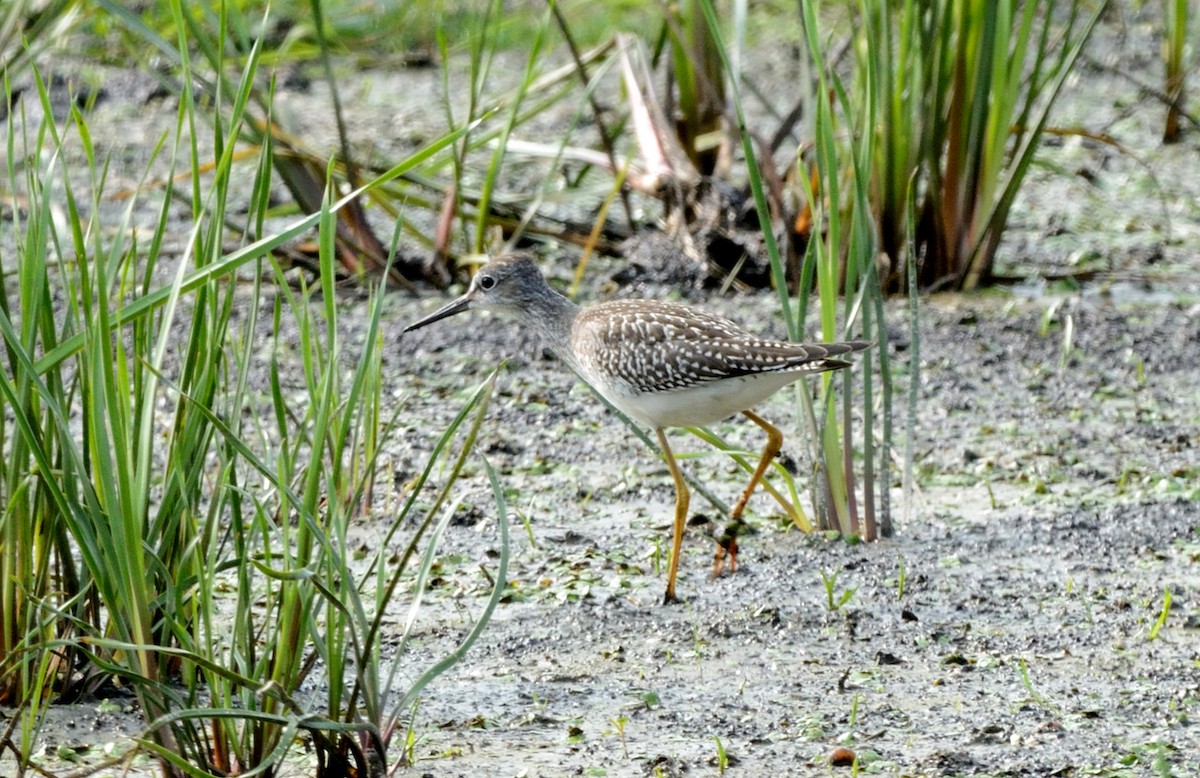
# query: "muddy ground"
{"points": [[1018, 646], [1009, 627]]}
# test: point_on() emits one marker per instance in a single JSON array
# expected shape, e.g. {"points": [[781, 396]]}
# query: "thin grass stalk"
{"points": [[369, 427], [862, 286], [498, 588], [875, 312], [617, 188], [699, 67], [198, 390], [501, 148], [29, 29], [914, 351], [148, 303], [118, 400], [362, 612], [318, 18], [342, 639], [852, 524], [298, 605], [1175, 18], [36, 579], [606, 138], [829, 480], [762, 207], [995, 216], [870, 529], [827, 448], [107, 513], [18, 536], [477, 76], [887, 380], [747, 461], [385, 590], [550, 182], [795, 324]]}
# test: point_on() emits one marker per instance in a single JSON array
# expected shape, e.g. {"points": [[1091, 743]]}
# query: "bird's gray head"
{"points": [[511, 283]]}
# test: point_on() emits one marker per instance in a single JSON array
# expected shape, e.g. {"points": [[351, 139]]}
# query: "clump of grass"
{"points": [[841, 259], [214, 570], [959, 94]]}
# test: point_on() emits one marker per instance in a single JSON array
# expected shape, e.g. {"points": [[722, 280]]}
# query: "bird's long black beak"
{"points": [[447, 310]]}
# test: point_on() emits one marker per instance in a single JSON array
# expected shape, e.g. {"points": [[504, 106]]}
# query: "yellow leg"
{"points": [[681, 511], [727, 542], [774, 444]]}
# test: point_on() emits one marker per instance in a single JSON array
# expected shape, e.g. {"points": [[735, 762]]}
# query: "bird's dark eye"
{"points": [[487, 282]]}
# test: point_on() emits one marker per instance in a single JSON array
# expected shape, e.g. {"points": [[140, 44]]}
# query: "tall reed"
{"points": [[153, 530]]}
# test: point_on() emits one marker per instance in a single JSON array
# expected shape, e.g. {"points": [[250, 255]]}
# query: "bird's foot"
{"points": [[727, 548], [669, 598]]}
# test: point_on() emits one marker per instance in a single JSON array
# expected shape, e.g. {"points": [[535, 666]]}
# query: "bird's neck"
{"points": [[552, 317]]}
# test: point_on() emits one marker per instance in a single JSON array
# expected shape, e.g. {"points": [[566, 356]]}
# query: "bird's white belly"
{"points": [[697, 405]]}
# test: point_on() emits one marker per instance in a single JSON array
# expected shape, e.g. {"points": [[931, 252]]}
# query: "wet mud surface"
{"points": [[1009, 628], [1005, 630]]}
